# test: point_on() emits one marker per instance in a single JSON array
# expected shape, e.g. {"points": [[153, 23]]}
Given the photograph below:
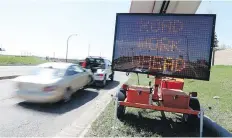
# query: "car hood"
{"points": [[37, 79]]}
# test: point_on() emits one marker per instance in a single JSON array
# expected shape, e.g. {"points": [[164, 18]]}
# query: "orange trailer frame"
{"points": [[159, 108], [156, 97]]}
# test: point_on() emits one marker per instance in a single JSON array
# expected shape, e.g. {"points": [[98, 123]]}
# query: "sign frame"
{"points": [[157, 14]]}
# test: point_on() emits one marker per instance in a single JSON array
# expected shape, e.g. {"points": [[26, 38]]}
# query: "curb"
{"points": [[79, 128], [214, 127], [90, 125], [8, 77]]}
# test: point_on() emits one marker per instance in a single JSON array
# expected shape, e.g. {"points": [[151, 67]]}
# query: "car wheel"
{"points": [[112, 77], [103, 84], [67, 95]]}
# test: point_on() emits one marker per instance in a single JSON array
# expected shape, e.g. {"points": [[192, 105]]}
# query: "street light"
{"points": [[67, 46]]}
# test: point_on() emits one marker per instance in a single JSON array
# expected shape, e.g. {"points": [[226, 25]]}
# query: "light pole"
{"points": [[88, 49], [67, 46]]}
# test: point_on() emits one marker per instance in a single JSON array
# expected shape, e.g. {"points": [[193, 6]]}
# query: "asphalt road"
{"points": [[15, 70], [19, 118]]}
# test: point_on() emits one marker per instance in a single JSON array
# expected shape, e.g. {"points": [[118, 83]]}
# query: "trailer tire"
{"points": [[120, 108], [192, 119]]}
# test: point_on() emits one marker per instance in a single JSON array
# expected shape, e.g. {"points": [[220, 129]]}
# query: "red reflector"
{"points": [[193, 94], [124, 86], [101, 75]]}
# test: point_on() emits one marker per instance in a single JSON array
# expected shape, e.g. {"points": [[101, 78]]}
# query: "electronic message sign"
{"points": [[175, 45]]}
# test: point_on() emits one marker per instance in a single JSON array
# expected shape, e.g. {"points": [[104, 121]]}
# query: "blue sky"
{"points": [[223, 9], [41, 27]]}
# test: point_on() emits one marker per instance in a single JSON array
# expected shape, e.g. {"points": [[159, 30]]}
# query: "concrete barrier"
{"points": [[215, 128]]}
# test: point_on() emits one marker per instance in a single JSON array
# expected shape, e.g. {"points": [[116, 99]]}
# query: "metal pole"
{"points": [[115, 115], [201, 122], [67, 46], [88, 49]]}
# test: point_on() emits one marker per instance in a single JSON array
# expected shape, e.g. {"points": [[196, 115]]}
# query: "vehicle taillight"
{"points": [[84, 64], [100, 75], [124, 86], [50, 88]]}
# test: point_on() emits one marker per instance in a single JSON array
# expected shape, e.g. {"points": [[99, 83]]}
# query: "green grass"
{"points": [[140, 122], [220, 84], [29, 60]]}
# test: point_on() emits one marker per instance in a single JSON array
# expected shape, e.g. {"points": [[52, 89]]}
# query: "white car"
{"points": [[52, 82], [101, 69]]}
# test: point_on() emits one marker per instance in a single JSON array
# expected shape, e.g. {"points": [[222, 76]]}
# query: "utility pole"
{"points": [[88, 49]]}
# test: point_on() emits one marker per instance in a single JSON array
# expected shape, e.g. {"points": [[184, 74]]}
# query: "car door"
{"points": [[72, 78], [108, 68], [83, 77]]}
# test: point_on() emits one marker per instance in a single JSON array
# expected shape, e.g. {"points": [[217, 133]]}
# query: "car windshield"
{"points": [[48, 72]]}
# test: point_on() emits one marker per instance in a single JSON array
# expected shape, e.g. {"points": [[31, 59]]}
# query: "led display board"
{"points": [[174, 45]]}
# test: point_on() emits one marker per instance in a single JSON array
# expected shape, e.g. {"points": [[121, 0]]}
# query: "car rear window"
{"points": [[94, 62], [49, 72]]}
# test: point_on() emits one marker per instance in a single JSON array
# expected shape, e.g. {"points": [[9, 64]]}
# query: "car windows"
{"points": [[70, 72], [108, 62], [73, 70], [78, 69], [49, 72]]}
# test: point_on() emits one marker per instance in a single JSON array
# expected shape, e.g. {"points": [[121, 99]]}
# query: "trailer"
{"points": [[170, 47]]}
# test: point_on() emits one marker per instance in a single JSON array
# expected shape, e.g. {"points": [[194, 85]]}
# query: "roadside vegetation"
{"points": [[20, 60], [146, 123]]}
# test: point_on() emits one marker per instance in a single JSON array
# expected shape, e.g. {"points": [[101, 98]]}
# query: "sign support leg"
{"points": [[115, 116], [201, 122]]}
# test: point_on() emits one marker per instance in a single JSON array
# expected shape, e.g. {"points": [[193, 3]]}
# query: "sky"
{"points": [[41, 27], [223, 10]]}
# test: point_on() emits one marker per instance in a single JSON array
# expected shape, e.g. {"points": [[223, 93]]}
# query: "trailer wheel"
{"points": [[192, 119], [120, 108]]}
